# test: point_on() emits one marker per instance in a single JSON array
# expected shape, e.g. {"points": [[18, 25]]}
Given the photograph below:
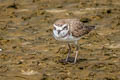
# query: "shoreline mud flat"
{"points": [[28, 50]]}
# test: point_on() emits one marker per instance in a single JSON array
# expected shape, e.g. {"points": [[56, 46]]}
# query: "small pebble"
{"points": [[0, 50]]}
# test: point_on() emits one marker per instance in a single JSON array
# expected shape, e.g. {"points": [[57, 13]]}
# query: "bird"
{"points": [[70, 30]]}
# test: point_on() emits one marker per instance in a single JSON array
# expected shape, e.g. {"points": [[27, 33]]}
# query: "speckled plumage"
{"points": [[77, 28]]}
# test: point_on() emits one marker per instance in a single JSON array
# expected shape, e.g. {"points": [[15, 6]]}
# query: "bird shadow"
{"points": [[71, 60]]}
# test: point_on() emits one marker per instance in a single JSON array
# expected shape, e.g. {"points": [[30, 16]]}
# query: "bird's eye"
{"points": [[65, 28], [54, 28]]}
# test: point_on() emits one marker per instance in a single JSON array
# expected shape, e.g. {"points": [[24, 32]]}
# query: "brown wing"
{"points": [[78, 29]]}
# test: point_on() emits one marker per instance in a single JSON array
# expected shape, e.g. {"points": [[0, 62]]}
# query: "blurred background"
{"points": [[28, 50]]}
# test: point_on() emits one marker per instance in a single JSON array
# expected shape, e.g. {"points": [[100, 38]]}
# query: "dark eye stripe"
{"points": [[65, 27]]}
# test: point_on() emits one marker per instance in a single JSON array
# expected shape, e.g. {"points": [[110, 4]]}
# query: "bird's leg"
{"points": [[76, 53], [68, 52]]}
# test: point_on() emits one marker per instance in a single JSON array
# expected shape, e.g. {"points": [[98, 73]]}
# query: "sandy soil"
{"points": [[28, 50]]}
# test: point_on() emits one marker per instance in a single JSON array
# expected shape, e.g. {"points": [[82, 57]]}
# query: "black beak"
{"points": [[59, 31]]}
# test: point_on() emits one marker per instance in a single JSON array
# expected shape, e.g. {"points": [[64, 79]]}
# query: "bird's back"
{"points": [[78, 29]]}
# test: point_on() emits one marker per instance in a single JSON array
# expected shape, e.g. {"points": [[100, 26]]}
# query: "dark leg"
{"points": [[68, 52], [76, 53]]}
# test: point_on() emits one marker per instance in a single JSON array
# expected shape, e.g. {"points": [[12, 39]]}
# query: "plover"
{"points": [[70, 30]]}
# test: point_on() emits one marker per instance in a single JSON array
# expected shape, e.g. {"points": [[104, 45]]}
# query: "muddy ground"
{"points": [[28, 50]]}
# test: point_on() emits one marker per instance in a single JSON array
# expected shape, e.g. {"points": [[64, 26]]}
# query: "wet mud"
{"points": [[28, 50]]}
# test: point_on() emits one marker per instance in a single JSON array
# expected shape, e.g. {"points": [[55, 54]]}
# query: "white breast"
{"points": [[61, 38]]}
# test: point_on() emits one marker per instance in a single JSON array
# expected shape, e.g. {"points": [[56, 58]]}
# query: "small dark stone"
{"points": [[20, 62], [85, 20], [14, 47], [81, 68], [13, 6], [109, 11], [59, 6]]}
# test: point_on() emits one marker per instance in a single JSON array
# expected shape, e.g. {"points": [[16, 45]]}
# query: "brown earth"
{"points": [[29, 51]]}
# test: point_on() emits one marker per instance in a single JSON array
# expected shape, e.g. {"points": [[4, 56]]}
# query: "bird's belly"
{"points": [[67, 38]]}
